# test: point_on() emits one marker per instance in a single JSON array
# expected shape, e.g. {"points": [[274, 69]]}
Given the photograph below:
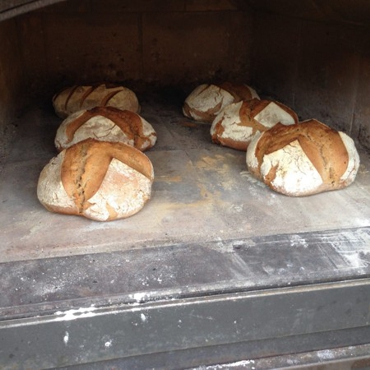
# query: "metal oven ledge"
{"points": [[183, 306]]}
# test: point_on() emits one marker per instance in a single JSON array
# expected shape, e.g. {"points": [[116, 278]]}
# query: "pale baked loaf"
{"points": [[99, 180], [106, 124], [303, 159], [237, 123], [75, 98], [207, 100]]}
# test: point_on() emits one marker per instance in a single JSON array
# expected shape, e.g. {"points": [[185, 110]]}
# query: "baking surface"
{"points": [[202, 193]]}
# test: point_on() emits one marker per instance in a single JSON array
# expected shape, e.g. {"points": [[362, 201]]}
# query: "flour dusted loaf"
{"points": [[99, 180], [106, 124], [303, 159], [207, 100], [237, 123], [75, 98]]}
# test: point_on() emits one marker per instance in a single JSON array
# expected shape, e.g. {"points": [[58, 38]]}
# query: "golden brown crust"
{"points": [[205, 116], [248, 111], [322, 145], [207, 100], [70, 93], [75, 98], [86, 163], [86, 95], [129, 122], [246, 120], [217, 133], [230, 143], [108, 97], [258, 105], [238, 91]]}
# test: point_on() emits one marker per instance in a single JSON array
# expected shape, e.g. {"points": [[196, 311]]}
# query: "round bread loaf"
{"points": [[99, 180], [106, 124], [75, 98], [237, 123], [303, 159], [207, 100]]}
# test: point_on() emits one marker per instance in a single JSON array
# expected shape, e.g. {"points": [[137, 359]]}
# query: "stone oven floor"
{"points": [[215, 258], [202, 192]]}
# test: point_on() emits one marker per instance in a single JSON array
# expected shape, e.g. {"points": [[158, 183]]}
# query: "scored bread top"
{"points": [[207, 100], [239, 91], [236, 124], [322, 145], [108, 124], [75, 98], [304, 158], [268, 113], [86, 164]]}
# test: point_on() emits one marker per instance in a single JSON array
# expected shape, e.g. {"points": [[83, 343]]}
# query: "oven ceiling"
{"points": [[345, 11], [12, 8]]}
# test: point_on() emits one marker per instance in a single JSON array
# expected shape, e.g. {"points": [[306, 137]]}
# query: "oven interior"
{"points": [[210, 229]]}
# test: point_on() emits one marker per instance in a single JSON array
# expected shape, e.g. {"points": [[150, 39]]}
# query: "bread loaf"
{"points": [[303, 159], [237, 123], [75, 98], [207, 100], [99, 180], [106, 124]]}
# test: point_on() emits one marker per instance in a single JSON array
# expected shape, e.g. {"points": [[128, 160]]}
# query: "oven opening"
{"points": [[210, 227]]}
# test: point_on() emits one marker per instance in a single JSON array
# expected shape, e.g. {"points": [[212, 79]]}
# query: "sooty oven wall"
{"points": [[141, 43], [11, 80], [313, 57]]}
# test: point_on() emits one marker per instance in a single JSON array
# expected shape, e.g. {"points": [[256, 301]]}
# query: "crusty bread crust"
{"points": [[75, 98], [207, 100], [99, 180], [303, 159], [239, 91], [238, 123], [106, 124]]}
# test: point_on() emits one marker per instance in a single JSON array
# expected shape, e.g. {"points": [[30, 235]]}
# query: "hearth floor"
{"points": [[202, 192]]}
